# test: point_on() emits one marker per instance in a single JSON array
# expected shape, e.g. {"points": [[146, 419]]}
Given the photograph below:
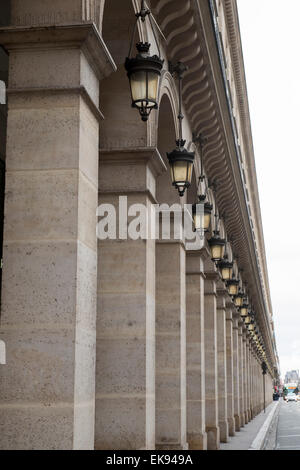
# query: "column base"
{"points": [[197, 441], [231, 426], [237, 420], [213, 438], [224, 433], [173, 446]]}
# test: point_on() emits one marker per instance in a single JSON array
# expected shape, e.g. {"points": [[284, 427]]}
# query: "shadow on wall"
{"points": [[4, 12]]}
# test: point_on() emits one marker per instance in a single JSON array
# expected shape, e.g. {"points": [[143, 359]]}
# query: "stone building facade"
{"points": [[125, 344]]}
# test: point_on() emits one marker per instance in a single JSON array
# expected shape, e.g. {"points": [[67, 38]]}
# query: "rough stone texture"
{"points": [[49, 282], [222, 365], [125, 370], [170, 346], [196, 435], [229, 370], [211, 369]]}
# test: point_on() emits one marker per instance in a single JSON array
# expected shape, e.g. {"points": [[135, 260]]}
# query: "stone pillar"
{"points": [[47, 393], [171, 345], [248, 377], [211, 362], [222, 367], [241, 375], [125, 368], [196, 434], [236, 374], [230, 372], [245, 374]]}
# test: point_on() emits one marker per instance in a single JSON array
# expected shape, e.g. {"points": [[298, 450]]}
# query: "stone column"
{"points": [[222, 366], [125, 368], [211, 362], [250, 380], [47, 393], [196, 434], [241, 375], [245, 374], [248, 377], [171, 345], [229, 370], [236, 374]]}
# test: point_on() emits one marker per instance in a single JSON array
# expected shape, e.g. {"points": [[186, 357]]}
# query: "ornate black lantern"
{"points": [[144, 72], [217, 246], [233, 286], [202, 215], [238, 299], [181, 163], [226, 268], [180, 159], [244, 310]]}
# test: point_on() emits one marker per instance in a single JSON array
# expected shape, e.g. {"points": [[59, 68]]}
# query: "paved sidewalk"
{"points": [[244, 438]]}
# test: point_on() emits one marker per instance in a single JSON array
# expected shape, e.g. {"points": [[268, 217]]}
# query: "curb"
{"points": [[260, 440]]}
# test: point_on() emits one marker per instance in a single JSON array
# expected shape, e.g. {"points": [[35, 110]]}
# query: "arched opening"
{"points": [[166, 137], [122, 126]]}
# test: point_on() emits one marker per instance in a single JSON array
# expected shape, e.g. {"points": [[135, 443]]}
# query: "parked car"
{"points": [[291, 397]]}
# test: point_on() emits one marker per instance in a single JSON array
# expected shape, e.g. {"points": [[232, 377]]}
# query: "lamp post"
{"points": [[180, 159], [216, 243], [202, 219], [233, 285], [238, 299], [226, 268], [264, 371], [144, 71]]}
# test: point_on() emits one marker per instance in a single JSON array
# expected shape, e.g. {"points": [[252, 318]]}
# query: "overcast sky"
{"points": [[270, 37]]}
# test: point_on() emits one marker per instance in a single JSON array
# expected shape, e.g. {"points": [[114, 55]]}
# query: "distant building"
{"points": [[291, 376]]}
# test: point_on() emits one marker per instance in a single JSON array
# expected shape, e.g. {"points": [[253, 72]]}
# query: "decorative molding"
{"points": [[83, 35]]}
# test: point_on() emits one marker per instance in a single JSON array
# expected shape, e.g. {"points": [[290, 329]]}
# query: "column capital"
{"points": [[134, 156], [221, 303], [117, 164], [195, 261], [81, 35], [229, 316]]}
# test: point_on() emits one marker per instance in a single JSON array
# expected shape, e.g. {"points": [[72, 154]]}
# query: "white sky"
{"points": [[270, 37]]}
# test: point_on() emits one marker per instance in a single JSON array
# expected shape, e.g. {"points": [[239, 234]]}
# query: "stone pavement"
{"points": [[245, 437]]}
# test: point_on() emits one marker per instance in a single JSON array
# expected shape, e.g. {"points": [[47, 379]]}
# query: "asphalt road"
{"points": [[288, 429]]}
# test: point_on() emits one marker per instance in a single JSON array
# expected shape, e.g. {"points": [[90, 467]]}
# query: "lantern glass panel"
{"points": [[233, 289], [207, 218], [144, 88], [138, 87], [226, 273], [244, 312], [217, 251], [238, 301], [181, 172], [153, 81]]}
